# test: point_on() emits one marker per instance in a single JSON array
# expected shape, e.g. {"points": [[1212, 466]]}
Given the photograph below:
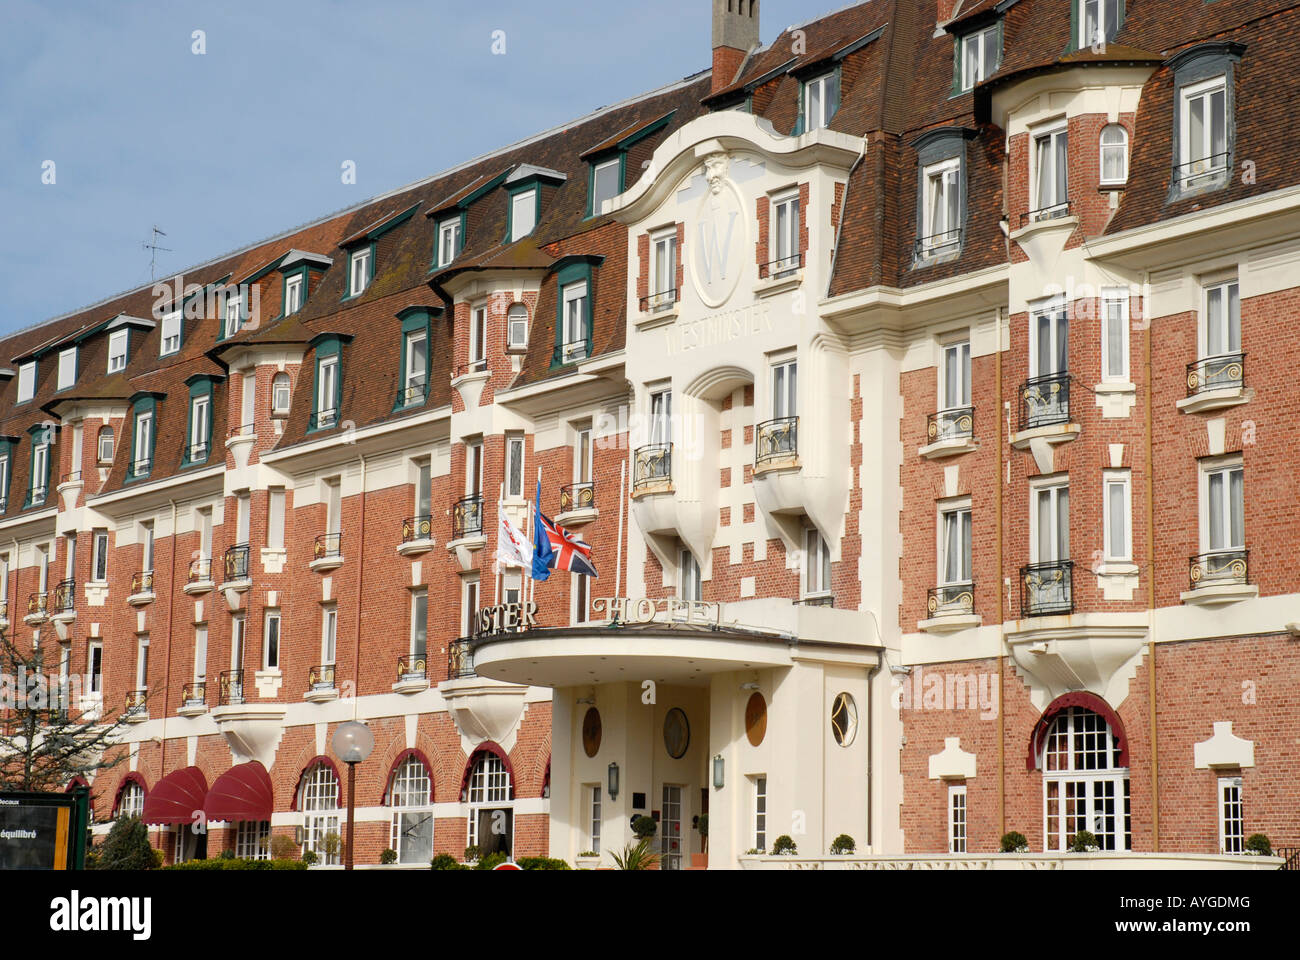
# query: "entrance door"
{"points": [[190, 845], [670, 828], [495, 831]]}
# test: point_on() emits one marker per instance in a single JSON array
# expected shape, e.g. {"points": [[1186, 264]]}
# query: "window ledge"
{"points": [[64, 616], [948, 447], [950, 623], [239, 586], [476, 542], [1053, 433], [321, 694], [933, 256], [135, 716], [648, 320], [141, 598], [413, 548], [774, 285], [195, 709], [1214, 399], [1220, 594], [196, 587], [1117, 568], [653, 489], [32, 619], [325, 564], [474, 376], [412, 684], [1064, 225], [574, 518]]}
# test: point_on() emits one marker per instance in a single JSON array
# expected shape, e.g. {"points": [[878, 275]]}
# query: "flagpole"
{"points": [[622, 504]]}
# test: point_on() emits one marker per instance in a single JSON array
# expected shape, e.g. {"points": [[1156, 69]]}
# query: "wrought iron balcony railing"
{"points": [[140, 467], [1045, 401], [72, 476], [323, 419], [412, 667], [415, 392], [65, 596], [1047, 588], [658, 302], [460, 660], [573, 352], [781, 266], [1223, 372], [936, 244], [957, 423], [1051, 212], [242, 430], [200, 570], [467, 518], [196, 452], [1220, 568], [38, 604], [137, 702], [1201, 168], [193, 694], [328, 545], [776, 439], [321, 677], [578, 496], [230, 690], [652, 464], [417, 528], [237, 562], [951, 600], [142, 582], [817, 600]]}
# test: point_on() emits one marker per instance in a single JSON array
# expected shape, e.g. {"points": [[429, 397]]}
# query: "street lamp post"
{"points": [[352, 743]]}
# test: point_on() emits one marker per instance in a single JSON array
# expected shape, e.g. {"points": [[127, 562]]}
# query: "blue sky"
{"points": [[247, 140]]}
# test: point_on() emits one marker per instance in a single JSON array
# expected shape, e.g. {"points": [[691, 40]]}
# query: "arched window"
{"points": [[1114, 155], [1084, 786], [517, 327], [280, 395], [318, 799], [130, 802], [105, 446], [491, 814], [410, 795]]}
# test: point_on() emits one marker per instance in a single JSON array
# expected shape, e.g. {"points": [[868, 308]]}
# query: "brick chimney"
{"points": [[735, 33], [946, 9]]}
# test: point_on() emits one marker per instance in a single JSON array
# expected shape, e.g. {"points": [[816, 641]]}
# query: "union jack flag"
{"points": [[569, 551]]}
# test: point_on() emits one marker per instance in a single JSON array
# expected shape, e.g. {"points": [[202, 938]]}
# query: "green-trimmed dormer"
{"points": [[327, 391], [607, 161], [575, 288], [524, 186], [38, 484], [1094, 23], [415, 371], [8, 449], [198, 431], [362, 251], [820, 83], [299, 273], [144, 421], [451, 217]]}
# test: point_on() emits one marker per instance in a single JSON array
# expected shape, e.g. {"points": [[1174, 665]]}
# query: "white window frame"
{"points": [[118, 341], [663, 269], [818, 110], [1121, 147], [142, 662], [758, 810], [490, 787], [958, 818], [1053, 487], [275, 512], [1092, 780], [143, 441], [40, 470], [1230, 293], [1232, 822], [26, 381], [975, 65], [252, 839], [319, 802], [956, 509], [293, 293], [1059, 323], [362, 258], [281, 388], [448, 240], [416, 376], [1054, 138], [327, 393], [583, 455], [1115, 307], [580, 594], [594, 816], [67, 368], [272, 626], [94, 659], [200, 653], [1207, 163], [409, 797], [131, 802], [517, 327], [1117, 483], [815, 571], [597, 200], [1098, 12], [238, 641], [785, 229], [1223, 467], [170, 335], [785, 388], [955, 391], [942, 204], [577, 320], [524, 201], [234, 314], [419, 634], [514, 477], [478, 337], [99, 555], [469, 600], [690, 583], [661, 415], [329, 634], [200, 421]]}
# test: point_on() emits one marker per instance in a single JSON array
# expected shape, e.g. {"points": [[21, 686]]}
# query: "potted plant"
{"points": [[784, 846], [1014, 842], [843, 845], [1257, 845], [388, 856], [1084, 842], [644, 827], [703, 827], [472, 853], [636, 857], [588, 860]]}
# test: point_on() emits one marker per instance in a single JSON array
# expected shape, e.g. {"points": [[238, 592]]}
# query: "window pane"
{"points": [[1196, 128], [1238, 508], [1216, 511], [1218, 130], [1115, 514]]}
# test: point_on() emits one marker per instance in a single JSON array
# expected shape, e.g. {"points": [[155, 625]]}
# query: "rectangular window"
{"points": [[329, 634], [200, 425], [95, 667], [760, 811], [271, 641], [661, 416], [1114, 337], [581, 599], [200, 653], [821, 99], [4, 580], [955, 384], [243, 516], [143, 443], [105, 443], [1099, 22], [26, 381], [253, 840], [478, 338], [1222, 324], [237, 627], [979, 56], [171, 333], [689, 586], [663, 270], [1050, 524], [142, 663], [1232, 823], [4, 481], [605, 183], [785, 389], [359, 271], [942, 206], [515, 466], [327, 393], [957, 818], [582, 455], [523, 214], [1119, 520], [474, 469], [575, 322], [419, 624], [1051, 180], [469, 607], [67, 368], [146, 546], [280, 393], [205, 533], [517, 327], [423, 489], [293, 294], [448, 241], [40, 470], [417, 366], [334, 505], [234, 315], [99, 556], [275, 518], [1224, 509], [955, 545], [117, 350], [512, 585], [593, 817], [816, 564], [785, 235], [1049, 341]]}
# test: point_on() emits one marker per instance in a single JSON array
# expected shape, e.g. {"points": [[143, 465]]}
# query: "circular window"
{"points": [[591, 731], [677, 733], [844, 719], [756, 718]]}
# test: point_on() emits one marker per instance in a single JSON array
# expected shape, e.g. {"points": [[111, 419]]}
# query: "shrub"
{"points": [[636, 857], [785, 846], [127, 847], [283, 848], [471, 853], [843, 844], [1084, 842], [542, 863], [644, 827], [309, 857], [226, 854], [490, 861], [445, 861], [388, 856], [703, 825], [239, 863], [1014, 842], [1257, 843]]}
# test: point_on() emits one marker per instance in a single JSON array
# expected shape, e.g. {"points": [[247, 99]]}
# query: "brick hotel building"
{"points": [[934, 360]]}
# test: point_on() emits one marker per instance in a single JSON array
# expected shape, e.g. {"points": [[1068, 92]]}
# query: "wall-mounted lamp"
{"points": [[587, 700], [749, 685], [613, 781], [717, 772]]}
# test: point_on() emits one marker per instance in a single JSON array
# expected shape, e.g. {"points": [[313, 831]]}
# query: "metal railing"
{"points": [[951, 600], [321, 677], [571, 352], [652, 464], [781, 267], [142, 582], [38, 604], [65, 596], [417, 528], [818, 600], [140, 467], [323, 419], [1215, 163], [196, 452], [242, 430], [957, 423], [1053, 212], [657, 302], [1047, 588], [236, 561], [467, 517], [1219, 568], [578, 496], [328, 545], [230, 684], [1223, 372], [460, 660], [936, 243], [72, 476], [411, 667], [1291, 856], [1045, 401], [415, 393], [776, 439], [194, 693], [200, 570], [137, 702]]}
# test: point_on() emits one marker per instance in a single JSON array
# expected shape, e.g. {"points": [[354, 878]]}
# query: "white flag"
{"points": [[513, 548]]}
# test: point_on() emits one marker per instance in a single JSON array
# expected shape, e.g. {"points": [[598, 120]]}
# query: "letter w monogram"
{"points": [[710, 252]]}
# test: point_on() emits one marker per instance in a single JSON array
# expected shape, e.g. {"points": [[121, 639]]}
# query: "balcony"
{"points": [[1208, 172], [69, 488], [323, 419], [320, 684], [780, 274], [236, 567], [193, 453], [63, 605], [936, 247], [413, 394], [136, 470], [577, 504], [240, 442], [658, 307], [417, 535], [1221, 576], [776, 444], [1215, 382], [200, 577], [574, 352], [1045, 411], [1047, 589], [230, 688], [194, 699], [137, 707], [141, 588], [412, 674], [38, 605], [327, 554], [949, 607], [949, 432], [460, 660], [467, 518], [1055, 211], [652, 469], [817, 600]]}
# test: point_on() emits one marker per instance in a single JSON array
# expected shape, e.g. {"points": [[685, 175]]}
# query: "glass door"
{"points": [[670, 828]]}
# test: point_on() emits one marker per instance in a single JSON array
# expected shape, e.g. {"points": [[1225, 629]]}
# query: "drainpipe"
{"points": [[1002, 647], [1151, 578], [361, 573]]}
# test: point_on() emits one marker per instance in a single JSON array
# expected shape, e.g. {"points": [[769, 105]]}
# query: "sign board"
{"points": [[43, 831]]}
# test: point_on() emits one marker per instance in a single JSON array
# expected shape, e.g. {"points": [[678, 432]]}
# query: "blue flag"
{"points": [[543, 555]]}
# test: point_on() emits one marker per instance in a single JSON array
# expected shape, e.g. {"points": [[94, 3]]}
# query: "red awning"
{"points": [[241, 793], [176, 798]]}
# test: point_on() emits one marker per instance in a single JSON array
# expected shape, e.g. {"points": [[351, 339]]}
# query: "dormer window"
{"points": [[1114, 155], [117, 344], [171, 333], [294, 288], [1099, 21], [327, 397], [27, 381], [606, 182], [40, 479], [523, 213], [67, 368], [575, 322], [416, 374], [449, 240], [517, 324], [942, 204], [1205, 128], [234, 315], [821, 98], [1204, 135], [360, 270], [979, 53]]}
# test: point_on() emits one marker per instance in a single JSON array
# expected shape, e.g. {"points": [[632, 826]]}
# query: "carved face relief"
{"points": [[716, 167]]}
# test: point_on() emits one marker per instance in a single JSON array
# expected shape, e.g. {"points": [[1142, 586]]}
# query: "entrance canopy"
{"points": [[241, 793], [176, 798]]}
